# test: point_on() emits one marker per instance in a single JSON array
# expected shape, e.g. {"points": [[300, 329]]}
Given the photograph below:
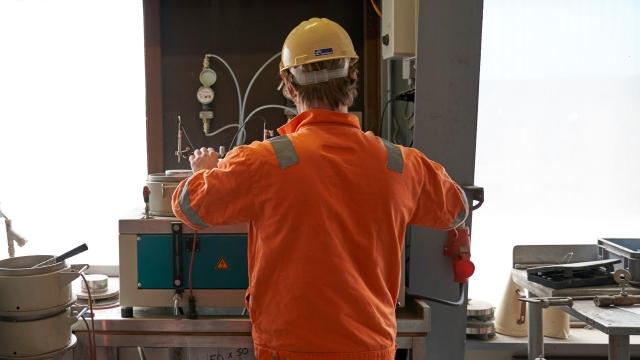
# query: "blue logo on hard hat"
{"points": [[322, 52]]}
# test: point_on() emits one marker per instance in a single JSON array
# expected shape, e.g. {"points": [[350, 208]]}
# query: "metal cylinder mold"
{"points": [[29, 293], [162, 186], [49, 335], [35, 307]]}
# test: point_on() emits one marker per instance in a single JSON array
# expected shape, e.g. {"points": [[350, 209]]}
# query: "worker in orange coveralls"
{"points": [[327, 207]]}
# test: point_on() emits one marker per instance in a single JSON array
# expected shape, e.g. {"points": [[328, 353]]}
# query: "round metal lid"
{"points": [[480, 330], [35, 314], [21, 265], [178, 172], [170, 176], [98, 284], [479, 308]]}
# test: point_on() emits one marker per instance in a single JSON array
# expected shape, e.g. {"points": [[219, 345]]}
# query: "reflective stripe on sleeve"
{"points": [[187, 210], [285, 152], [395, 162]]}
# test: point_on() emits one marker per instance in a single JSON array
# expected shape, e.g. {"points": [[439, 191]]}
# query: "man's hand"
{"points": [[204, 158]]}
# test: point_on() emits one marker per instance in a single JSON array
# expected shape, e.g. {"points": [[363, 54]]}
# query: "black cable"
{"points": [[242, 127], [384, 110], [408, 95]]}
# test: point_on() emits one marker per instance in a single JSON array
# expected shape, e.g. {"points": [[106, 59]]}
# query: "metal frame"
{"points": [[447, 86], [155, 328]]}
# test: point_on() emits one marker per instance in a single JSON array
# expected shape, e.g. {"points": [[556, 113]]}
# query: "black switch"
{"points": [[385, 39]]}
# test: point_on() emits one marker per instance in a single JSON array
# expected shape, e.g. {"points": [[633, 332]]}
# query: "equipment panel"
{"points": [[220, 261]]}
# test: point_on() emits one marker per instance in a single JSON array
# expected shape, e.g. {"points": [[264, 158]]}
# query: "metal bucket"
{"points": [[21, 339], [162, 186], [27, 293]]}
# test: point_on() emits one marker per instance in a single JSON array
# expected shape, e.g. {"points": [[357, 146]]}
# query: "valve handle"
{"points": [[145, 194]]}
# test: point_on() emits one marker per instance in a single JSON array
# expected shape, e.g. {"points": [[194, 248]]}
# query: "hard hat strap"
{"points": [[318, 76]]}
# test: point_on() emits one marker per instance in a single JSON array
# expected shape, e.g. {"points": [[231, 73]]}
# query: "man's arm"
{"points": [[217, 195], [441, 203]]}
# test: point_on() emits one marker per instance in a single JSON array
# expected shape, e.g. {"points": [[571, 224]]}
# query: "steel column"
{"points": [[619, 347], [536, 339], [447, 83]]}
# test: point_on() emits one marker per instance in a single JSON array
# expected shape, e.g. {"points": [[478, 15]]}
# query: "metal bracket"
{"points": [[176, 231], [189, 244]]}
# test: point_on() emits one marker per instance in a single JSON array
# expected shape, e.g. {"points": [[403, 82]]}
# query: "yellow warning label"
{"points": [[222, 264]]}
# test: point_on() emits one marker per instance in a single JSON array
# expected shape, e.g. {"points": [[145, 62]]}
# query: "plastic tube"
{"points": [[256, 110], [242, 101], [235, 81], [260, 108], [222, 129], [241, 135]]}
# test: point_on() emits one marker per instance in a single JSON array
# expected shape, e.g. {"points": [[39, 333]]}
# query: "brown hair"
{"points": [[334, 92]]}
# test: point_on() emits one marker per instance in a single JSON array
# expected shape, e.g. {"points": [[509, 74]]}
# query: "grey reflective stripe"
{"points": [[395, 162], [185, 206], [285, 152]]}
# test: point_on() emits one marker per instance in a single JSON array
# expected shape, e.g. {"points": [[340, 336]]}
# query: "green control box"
{"points": [[220, 261]]}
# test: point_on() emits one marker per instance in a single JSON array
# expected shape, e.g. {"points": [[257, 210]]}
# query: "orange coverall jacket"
{"points": [[326, 232]]}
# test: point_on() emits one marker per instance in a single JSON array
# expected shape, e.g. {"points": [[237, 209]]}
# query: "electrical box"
{"points": [[398, 29]]}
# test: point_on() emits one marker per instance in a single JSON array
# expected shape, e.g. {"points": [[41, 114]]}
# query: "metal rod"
{"points": [[619, 347], [536, 340]]}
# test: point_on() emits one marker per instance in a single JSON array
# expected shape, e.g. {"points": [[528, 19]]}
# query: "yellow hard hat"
{"points": [[316, 40]]}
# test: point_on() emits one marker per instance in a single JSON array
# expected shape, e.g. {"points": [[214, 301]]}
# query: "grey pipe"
{"points": [[141, 353], [536, 340]]}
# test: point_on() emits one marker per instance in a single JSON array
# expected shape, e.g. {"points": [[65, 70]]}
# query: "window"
{"points": [[558, 147], [72, 128]]}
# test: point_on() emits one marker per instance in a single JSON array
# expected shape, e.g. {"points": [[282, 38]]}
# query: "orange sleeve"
{"points": [[441, 203], [219, 196]]}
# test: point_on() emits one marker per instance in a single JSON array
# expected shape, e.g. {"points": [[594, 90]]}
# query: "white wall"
{"points": [[72, 122], [558, 126]]}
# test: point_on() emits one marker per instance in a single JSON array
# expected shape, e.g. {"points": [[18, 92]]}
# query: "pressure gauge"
{"points": [[205, 95], [208, 77]]}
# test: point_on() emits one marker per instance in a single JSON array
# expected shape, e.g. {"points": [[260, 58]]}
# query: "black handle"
{"points": [[176, 230], [73, 252], [477, 194]]}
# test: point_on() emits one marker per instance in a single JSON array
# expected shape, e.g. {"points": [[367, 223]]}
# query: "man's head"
{"points": [[318, 65]]}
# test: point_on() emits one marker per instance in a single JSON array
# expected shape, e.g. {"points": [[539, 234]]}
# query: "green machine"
{"points": [[158, 267]]}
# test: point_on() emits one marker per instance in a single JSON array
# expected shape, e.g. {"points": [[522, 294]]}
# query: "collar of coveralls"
{"points": [[314, 117]]}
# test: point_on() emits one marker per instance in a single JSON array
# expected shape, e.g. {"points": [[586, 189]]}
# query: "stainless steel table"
{"points": [[156, 328], [617, 322]]}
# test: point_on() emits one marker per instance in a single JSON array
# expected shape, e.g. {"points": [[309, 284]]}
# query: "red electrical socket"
{"points": [[458, 248]]}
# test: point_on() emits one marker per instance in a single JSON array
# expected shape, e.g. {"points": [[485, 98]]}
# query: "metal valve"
{"points": [[145, 195], [623, 278]]}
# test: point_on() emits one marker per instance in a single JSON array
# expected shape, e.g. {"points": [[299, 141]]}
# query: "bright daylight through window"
{"points": [[72, 134], [558, 124]]}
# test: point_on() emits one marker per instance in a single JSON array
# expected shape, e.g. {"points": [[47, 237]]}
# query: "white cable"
{"points": [[242, 135], [235, 80], [259, 108], [465, 203], [222, 129], [294, 111]]}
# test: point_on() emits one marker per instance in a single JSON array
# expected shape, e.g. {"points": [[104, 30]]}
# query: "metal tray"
{"points": [[627, 250]]}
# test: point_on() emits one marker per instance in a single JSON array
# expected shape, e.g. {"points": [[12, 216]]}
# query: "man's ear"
{"points": [[292, 92]]}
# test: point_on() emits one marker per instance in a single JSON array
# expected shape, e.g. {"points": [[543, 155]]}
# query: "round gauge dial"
{"points": [[208, 77], [205, 95]]}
